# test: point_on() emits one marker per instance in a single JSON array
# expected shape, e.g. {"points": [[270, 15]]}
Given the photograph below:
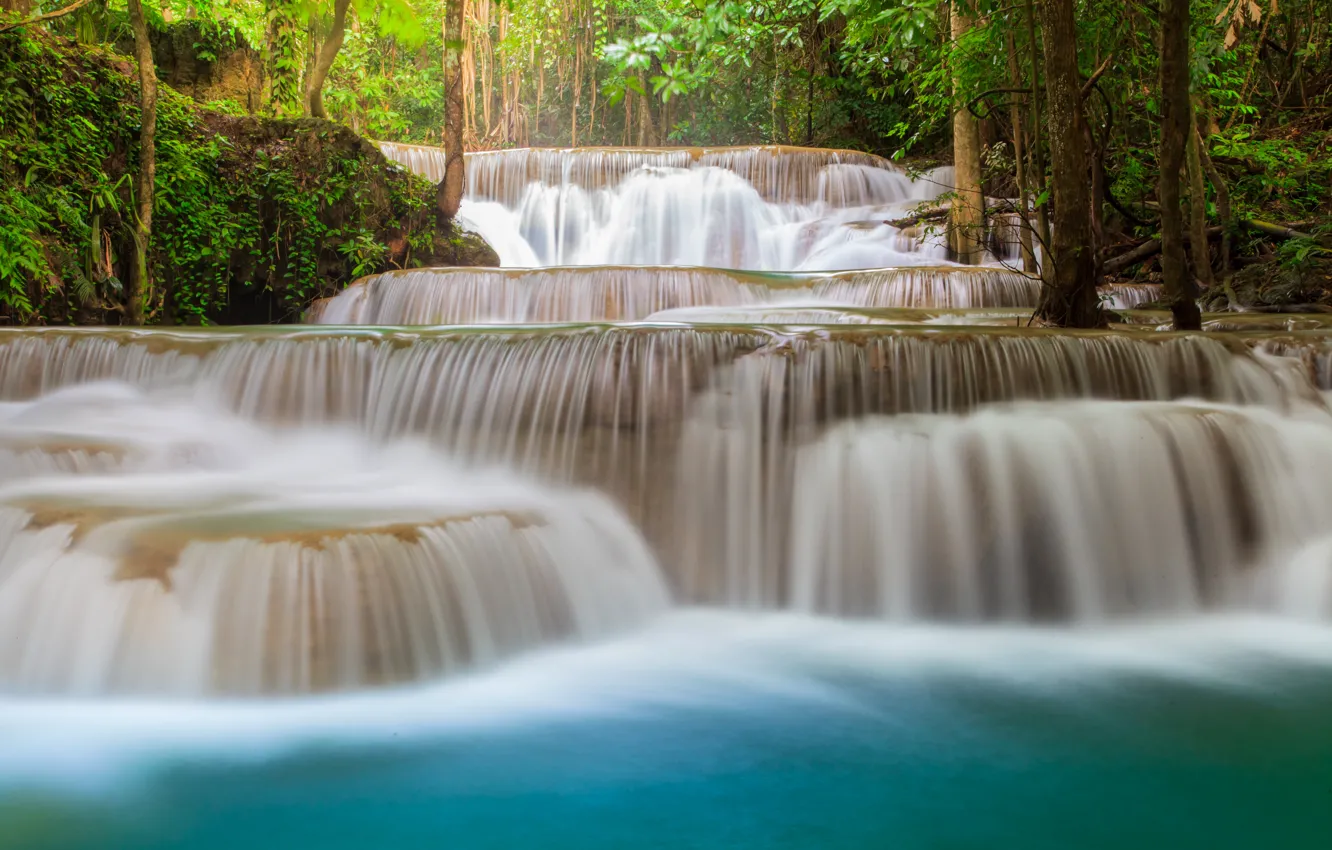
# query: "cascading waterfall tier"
{"points": [[744, 208], [591, 404], [757, 361], [157, 546], [737, 452], [580, 294], [1129, 296], [1312, 348], [693, 431], [391, 382], [780, 173], [1076, 511]]}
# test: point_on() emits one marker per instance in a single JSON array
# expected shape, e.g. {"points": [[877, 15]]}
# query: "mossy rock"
{"points": [[254, 218], [1276, 286], [207, 62]]}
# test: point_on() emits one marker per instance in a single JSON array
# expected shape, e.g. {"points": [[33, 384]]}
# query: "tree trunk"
{"points": [[628, 119], [967, 233], [284, 60], [592, 101], [809, 88], [140, 286], [448, 196], [1222, 203], [541, 90], [1069, 299], [1180, 292], [1038, 184], [1020, 162], [314, 93], [1198, 247], [577, 91], [647, 131], [1097, 182]]}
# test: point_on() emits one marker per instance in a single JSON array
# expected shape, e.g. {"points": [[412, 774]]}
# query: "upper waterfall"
{"points": [[760, 208], [780, 173]]}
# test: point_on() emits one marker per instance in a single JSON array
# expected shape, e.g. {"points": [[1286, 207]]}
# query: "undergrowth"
{"points": [[253, 218]]}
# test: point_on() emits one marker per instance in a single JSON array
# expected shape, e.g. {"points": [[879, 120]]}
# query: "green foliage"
{"points": [[377, 94], [295, 211], [1302, 253], [244, 213], [60, 122], [247, 211], [286, 59]]}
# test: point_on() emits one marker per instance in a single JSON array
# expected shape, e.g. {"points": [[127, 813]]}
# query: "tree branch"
{"points": [[37, 19], [1278, 230], [1152, 247], [939, 212], [971, 104], [314, 92], [1096, 75], [1145, 251]]}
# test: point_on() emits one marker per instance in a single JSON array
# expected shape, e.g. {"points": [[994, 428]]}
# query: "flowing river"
{"points": [[727, 515]]}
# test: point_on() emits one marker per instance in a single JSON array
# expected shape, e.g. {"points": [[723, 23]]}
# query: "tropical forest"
{"points": [[709, 424]]}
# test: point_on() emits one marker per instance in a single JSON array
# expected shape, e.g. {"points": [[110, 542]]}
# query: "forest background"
{"points": [[921, 82]]}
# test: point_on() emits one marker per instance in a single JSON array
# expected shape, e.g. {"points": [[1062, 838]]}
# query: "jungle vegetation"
{"points": [[1182, 141]]}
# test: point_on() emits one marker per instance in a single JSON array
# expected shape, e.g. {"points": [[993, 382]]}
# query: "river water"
{"points": [[726, 516]]}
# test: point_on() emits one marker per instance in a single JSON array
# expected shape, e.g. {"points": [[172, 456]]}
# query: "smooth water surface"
{"points": [[721, 730]]}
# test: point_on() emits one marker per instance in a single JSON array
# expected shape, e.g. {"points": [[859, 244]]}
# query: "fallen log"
{"points": [[1152, 247], [1285, 308], [1280, 231], [940, 212], [1145, 251], [930, 214]]}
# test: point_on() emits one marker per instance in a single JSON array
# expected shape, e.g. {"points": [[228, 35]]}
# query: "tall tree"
{"points": [[1176, 133], [314, 92], [968, 210], [1026, 225], [1198, 247], [1069, 299], [284, 59], [140, 282], [1037, 176], [448, 196]]}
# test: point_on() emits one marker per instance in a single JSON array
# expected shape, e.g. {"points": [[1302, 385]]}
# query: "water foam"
{"points": [[690, 661], [209, 555]]}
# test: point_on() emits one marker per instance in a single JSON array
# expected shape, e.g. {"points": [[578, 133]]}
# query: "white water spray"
{"points": [[211, 556]]}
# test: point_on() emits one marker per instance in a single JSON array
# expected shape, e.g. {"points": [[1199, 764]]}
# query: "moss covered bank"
{"points": [[254, 218]]}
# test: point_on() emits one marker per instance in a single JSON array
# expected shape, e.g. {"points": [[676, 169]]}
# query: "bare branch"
{"points": [[37, 19], [1096, 75], [971, 104]]}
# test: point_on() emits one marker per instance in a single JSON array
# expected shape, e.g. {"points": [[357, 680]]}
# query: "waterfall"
{"points": [[762, 208], [696, 433], [577, 294], [595, 405], [725, 377], [779, 173], [1077, 511], [563, 378], [213, 556], [1128, 296]]}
